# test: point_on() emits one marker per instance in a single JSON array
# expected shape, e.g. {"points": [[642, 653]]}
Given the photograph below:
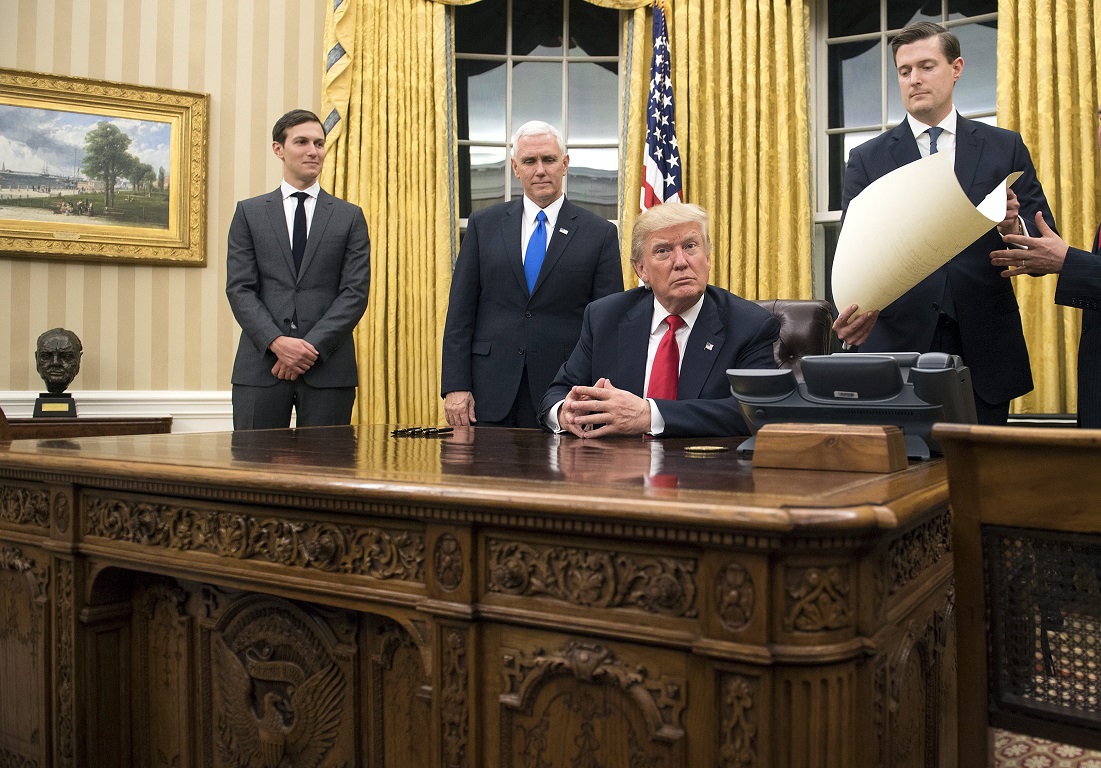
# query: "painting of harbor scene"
{"points": [[60, 166], [101, 171]]}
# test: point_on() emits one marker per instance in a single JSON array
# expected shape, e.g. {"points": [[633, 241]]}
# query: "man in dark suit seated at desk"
{"points": [[672, 339]]}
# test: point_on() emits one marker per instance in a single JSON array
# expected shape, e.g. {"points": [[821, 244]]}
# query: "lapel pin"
{"points": [[563, 231], [709, 346]]}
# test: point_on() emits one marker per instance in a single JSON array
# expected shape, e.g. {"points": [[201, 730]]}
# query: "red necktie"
{"points": [[666, 369]]}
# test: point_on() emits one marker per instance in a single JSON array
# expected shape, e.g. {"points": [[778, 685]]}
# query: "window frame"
{"points": [[509, 60]]}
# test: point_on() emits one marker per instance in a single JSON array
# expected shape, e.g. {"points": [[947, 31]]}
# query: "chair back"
{"points": [[805, 329], [1026, 540]]}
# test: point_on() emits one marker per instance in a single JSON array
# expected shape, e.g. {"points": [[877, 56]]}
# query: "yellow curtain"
{"points": [[390, 151], [1048, 90], [740, 85]]}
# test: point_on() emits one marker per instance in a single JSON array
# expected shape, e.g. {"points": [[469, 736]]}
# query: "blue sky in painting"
{"points": [[32, 139]]}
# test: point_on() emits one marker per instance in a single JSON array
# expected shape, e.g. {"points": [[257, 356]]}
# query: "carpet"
{"points": [[1013, 750]]}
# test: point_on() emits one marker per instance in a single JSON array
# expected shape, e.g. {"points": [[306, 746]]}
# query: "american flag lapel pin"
{"points": [[709, 346]]}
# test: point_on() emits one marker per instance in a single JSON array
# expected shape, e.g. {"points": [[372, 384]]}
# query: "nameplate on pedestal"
{"points": [[835, 447], [49, 405]]}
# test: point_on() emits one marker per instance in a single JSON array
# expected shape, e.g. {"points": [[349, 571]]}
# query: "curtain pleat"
{"points": [[390, 151], [740, 84], [1048, 90]]}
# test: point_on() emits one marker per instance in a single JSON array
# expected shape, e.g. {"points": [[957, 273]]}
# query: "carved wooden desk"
{"points": [[339, 597]]}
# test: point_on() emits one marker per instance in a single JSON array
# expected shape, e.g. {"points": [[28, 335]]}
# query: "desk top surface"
{"points": [[499, 468]]}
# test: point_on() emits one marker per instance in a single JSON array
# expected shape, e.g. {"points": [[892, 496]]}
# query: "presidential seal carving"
{"points": [[282, 695]]}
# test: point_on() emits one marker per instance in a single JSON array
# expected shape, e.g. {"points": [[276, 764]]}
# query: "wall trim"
{"points": [[208, 411]]}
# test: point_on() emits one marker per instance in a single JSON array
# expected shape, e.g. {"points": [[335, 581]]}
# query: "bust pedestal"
{"points": [[50, 405]]}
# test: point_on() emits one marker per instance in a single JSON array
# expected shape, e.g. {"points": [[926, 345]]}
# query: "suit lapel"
{"points": [[701, 351], [564, 229], [278, 217], [322, 212], [968, 152], [903, 147], [634, 337], [512, 223]]}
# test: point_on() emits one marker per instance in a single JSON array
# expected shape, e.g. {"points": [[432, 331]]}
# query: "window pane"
{"points": [[537, 27], [593, 180], [840, 146], [853, 17], [593, 103], [854, 79], [480, 28], [901, 13], [975, 90], [958, 9], [594, 31], [896, 113], [536, 93], [480, 97], [486, 168]]}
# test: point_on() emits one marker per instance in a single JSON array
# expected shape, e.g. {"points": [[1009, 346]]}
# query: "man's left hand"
{"points": [[1011, 224], [603, 410], [1041, 255]]}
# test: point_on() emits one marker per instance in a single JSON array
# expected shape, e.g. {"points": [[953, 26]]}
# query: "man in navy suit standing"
{"points": [[964, 308], [1079, 286], [297, 277], [653, 360], [526, 270]]}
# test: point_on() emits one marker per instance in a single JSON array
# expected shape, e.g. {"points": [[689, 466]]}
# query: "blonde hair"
{"points": [[667, 215]]}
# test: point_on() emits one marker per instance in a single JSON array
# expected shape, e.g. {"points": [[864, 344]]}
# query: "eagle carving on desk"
{"points": [[273, 714]]}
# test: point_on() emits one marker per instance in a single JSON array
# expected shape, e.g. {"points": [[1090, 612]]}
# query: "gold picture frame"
{"points": [[102, 171]]}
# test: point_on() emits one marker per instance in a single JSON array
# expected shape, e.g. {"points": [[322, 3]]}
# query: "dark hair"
{"points": [[922, 30], [291, 119]]}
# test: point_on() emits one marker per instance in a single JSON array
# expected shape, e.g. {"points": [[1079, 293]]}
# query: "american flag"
{"points": [[661, 170]]}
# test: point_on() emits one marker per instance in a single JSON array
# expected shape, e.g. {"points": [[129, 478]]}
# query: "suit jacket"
{"points": [[730, 332], [984, 303], [495, 327], [327, 296], [1080, 286]]}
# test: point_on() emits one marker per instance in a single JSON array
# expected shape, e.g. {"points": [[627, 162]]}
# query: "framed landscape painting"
{"points": [[96, 170]]}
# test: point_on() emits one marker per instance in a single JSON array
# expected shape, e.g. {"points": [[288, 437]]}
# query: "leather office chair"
{"points": [[1026, 544], [804, 330], [5, 428]]}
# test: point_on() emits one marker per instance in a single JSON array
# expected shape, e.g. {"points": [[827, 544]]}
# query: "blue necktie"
{"points": [[537, 249], [298, 239], [934, 134]]}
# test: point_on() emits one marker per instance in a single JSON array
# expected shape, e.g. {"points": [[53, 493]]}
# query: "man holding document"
{"points": [[963, 307]]}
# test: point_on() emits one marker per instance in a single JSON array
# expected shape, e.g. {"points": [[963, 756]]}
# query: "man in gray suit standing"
{"points": [[297, 277], [526, 270]]}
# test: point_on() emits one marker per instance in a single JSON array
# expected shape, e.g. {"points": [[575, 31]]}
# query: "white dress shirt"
{"points": [[290, 205], [530, 212]]}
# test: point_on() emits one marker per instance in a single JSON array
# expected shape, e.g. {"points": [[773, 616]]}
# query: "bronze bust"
{"points": [[58, 358]]}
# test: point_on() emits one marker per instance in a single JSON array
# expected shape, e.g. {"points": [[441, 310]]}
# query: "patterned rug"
{"points": [[1012, 750]]}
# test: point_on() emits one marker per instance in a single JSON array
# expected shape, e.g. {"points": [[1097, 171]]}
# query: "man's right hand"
{"points": [[853, 331], [296, 356], [459, 408]]}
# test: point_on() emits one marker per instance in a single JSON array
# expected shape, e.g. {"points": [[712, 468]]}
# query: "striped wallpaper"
{"points": [[146, 327]]}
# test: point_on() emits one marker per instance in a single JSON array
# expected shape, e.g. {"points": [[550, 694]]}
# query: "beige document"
{"points": [[905, 225]]}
